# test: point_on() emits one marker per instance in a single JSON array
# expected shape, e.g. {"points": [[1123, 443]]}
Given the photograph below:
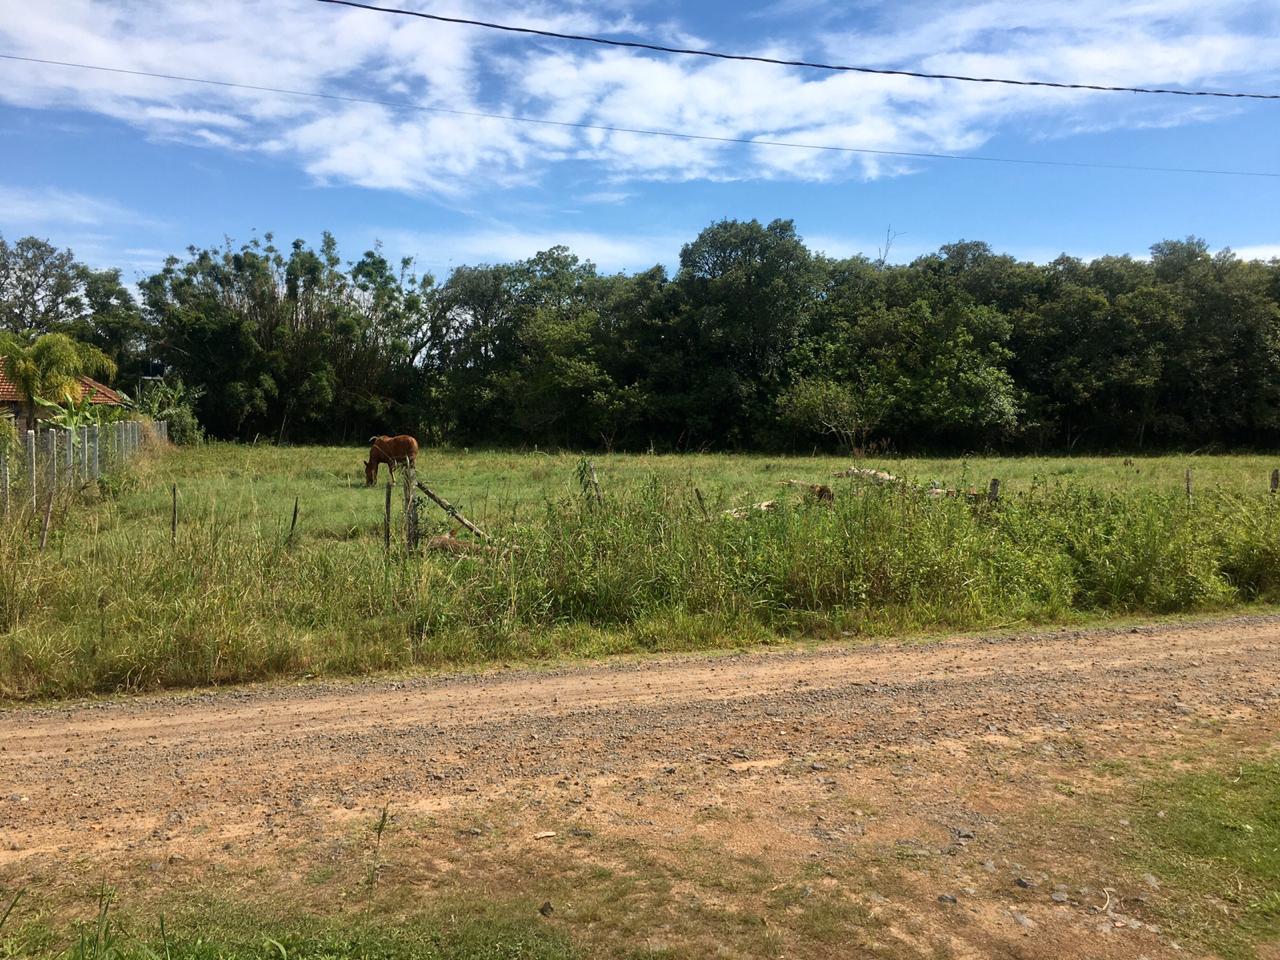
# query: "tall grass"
{"points": [[113, 605]]}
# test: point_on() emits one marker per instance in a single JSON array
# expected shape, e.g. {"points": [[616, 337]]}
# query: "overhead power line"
{"points": [[642, 131], [839, 67]]}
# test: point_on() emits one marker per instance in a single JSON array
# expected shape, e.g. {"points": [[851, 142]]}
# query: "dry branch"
{"points": [[452, 511]]}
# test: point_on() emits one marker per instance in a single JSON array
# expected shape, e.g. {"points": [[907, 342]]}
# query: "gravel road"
{"points": [[947, 739]]}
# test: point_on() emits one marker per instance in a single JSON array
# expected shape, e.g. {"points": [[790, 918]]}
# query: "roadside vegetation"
{"points": [[1214, 837], [119, 601], [488, 932]]}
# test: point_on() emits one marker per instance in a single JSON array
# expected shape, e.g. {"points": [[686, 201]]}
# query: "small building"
{"points": [[13, 402]]}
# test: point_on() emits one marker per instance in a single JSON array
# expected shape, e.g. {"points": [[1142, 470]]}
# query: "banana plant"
{"points": [[71, 415]]}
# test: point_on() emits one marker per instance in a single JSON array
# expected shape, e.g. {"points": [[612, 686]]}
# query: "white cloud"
{"points": [[606, 196], [1258, 251], [300, 45], [24, 210]]}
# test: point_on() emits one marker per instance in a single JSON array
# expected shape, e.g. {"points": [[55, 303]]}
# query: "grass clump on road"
{"points": [[1215, 838], [117, 602], [485, 933]]}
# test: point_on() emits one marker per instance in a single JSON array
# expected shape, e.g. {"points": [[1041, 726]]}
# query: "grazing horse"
{"points": [[389, 450]]}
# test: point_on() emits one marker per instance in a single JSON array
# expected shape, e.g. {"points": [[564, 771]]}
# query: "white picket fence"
{"points": [[52, 459]]}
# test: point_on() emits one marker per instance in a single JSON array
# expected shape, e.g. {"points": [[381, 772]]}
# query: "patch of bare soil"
{"points": [[892, 800]]}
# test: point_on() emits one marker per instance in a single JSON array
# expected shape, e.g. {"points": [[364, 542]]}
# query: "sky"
{"points": [[128, 170]]}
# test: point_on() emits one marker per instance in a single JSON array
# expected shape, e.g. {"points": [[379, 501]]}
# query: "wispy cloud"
{"points": [[1258, 251], [27, 209], [351, 52]]}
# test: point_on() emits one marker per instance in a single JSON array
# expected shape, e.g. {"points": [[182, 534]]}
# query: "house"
{"points": [[13, 402]]}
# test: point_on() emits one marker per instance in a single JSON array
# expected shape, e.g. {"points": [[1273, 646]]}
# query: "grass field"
{"points": [[113, 604]]}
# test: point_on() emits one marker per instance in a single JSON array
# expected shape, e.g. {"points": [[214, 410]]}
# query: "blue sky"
{"points": [[126, 170]]}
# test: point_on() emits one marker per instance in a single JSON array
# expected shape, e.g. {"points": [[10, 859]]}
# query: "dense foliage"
{"points": [[755, 341]]}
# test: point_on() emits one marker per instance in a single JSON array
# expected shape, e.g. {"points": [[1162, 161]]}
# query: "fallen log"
{"points": [[873, 476], [741, 513]]}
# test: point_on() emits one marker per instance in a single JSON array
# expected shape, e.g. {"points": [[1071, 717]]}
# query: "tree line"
{"points": [[755, 342]]}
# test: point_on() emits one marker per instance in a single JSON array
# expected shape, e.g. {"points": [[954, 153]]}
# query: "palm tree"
{"points": [[50, 367]]}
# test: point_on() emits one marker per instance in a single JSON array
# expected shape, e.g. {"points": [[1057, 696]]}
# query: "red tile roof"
{"points": [[98, 392]]}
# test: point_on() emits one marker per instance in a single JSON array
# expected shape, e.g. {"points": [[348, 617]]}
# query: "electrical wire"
{"points": [[674, 134], [843, 68]]}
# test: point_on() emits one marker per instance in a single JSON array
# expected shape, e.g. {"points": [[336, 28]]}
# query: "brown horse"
{"points": [[389, 450]]}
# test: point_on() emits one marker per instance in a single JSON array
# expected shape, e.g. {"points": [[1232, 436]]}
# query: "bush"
{"points": [[184, 428]]}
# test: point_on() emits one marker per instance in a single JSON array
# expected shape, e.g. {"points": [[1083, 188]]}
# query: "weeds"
{"points": [[488, 932], [119, 602], [375, 855]]}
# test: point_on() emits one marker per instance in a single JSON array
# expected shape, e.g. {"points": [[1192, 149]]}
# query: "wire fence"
{"points": [[50, 460]]}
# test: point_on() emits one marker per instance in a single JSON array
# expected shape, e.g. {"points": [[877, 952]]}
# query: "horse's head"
{"points": [[370, 473]]}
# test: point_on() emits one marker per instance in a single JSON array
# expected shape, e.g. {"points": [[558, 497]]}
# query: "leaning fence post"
{"points": [[31, 465]]}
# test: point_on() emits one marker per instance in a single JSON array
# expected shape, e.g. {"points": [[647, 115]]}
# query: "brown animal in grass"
{"points": [[389, 450]]}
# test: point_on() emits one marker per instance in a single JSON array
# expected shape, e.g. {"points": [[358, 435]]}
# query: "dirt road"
{"points": [[880, 778]]}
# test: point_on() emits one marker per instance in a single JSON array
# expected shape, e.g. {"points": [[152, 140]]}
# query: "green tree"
{"points": [[746, 293], [849, 412]]}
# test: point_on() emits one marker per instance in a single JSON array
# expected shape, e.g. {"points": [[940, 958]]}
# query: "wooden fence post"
{"points": [[31, 465], [1275, 481], [993, 491], [595, 482], [386, 523], [410, 508], [1188, 484]]}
